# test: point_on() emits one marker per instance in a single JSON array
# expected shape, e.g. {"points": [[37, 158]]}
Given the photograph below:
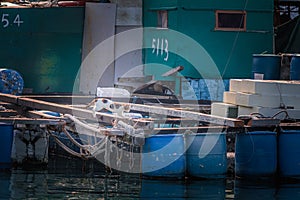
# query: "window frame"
{"points": [[244, 13], [161, 16]]}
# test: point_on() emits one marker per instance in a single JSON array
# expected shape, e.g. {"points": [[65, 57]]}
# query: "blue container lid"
{"points": [[260, 133], [5, 124], [166, 135], [290, 132], [204, 134], [266, 55]]}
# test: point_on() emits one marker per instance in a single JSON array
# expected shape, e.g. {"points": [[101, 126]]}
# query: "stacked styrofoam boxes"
{"points": [[266, 97]]}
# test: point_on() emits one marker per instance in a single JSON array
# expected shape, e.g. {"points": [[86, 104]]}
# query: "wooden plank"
{"points": [[107, 118], [62, 99], [173, 71], [190, 107], [8, 113], [198, 129], [66, 109], [78, 112], [187, 114], [22, 120], [290, 124], [8, 98]]}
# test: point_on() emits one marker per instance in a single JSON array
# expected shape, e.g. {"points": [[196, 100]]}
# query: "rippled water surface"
{"points": [[67, 179]]}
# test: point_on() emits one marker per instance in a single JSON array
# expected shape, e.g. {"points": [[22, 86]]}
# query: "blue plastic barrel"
{"points": [[206, 155], [6, 141], [268, 65], [256, 154], [295, 67], [163, 156], [289, 153]]}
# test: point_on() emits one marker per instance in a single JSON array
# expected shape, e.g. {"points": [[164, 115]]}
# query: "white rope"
{"points": [[83, 124], [107, 153], [68, 150], [97, 148], [131, 159], [104, 145], [119, 155]]}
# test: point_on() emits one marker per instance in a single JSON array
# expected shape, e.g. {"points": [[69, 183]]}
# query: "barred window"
{"points": [[230, 20]]}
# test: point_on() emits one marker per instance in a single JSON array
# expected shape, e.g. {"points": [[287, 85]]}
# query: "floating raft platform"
{"points": [[38, 119]]}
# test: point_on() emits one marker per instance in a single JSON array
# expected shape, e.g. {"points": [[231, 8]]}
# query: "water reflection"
{"points": [[254, 189], [206, 189], [289, 191], [21, 184], [162, 189], [4, 185], [69, 180]]}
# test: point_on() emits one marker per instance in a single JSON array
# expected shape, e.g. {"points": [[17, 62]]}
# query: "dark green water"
{"points": [[67, 179]]}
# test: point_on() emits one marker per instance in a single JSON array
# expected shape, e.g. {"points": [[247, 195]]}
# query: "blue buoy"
{"points": [[267, 65], [163, 156], [6, 134], [11, 82], [206, 155], [289, 153], [295, 67], [256, 154]]}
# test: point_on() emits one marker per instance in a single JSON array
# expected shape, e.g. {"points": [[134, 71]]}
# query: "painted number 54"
{"points": [[7, 20]]}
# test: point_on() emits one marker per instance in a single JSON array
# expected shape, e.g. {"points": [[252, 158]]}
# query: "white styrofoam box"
{"points": [[268, 112], [112, 92], [229, 97], [235, 85], [270, 87], [224, 110], [249, 100], [266, 100]]}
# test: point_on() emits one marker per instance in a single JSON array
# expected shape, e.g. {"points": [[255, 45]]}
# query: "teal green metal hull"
{"points": [[43, 45], [231, 51]]}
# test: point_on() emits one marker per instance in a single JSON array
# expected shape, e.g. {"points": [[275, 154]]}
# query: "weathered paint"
{"points": [[128, 17], [98, 47], [30, 145], [230, 50], [45, 48]]}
